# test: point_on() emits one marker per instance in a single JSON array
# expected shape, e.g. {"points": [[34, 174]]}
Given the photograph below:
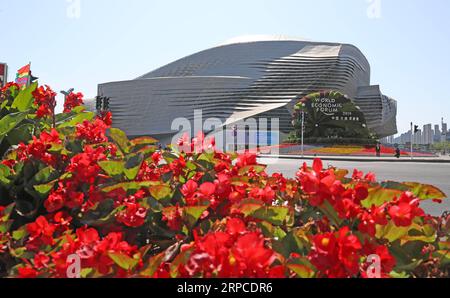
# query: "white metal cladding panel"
{"points": [[149, 106]]}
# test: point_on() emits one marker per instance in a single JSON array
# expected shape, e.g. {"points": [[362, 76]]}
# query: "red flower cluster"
{"points": [[8, 86], [85, 171], [38, 148], [94, 252], [336, 256], [405, 209], [92, 132], [133, 216], [198, 145], [322, 186], [45, 99], [237, 252], [73, 100]]}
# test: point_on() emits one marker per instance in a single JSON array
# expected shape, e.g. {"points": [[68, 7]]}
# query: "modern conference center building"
{"points": [[248, 77]]}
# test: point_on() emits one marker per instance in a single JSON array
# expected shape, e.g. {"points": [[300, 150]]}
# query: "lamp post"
{"points": [[412, 139], [303, 133]]}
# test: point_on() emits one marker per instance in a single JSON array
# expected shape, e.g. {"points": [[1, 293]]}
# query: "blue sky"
{"points": [[407, 43]]}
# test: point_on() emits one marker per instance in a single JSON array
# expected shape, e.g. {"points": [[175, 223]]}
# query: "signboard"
{"points": [[3, 74], [330, 114]]}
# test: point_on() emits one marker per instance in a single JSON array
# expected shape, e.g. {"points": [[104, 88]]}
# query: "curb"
{"points": [[332, 158]]}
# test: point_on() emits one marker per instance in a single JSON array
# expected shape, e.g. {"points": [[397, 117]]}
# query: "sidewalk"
{"points": [[442, 159]]}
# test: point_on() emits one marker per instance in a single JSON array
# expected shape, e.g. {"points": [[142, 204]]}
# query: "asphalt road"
{"points": [[428, 173]]}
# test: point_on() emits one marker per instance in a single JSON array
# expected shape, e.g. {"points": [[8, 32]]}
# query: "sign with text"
{"points": [[330, 114]]}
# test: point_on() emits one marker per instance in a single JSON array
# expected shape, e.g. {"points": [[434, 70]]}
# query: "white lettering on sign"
{"points": [[328, 106]]}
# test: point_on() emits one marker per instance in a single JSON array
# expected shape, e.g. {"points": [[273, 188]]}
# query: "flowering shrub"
{"points": [[72, 188]]}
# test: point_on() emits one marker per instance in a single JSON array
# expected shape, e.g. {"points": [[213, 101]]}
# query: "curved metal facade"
{"points": [[247, 79]]}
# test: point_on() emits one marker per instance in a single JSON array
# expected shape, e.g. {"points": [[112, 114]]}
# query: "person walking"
{"points": [[397, 152], [378, 149]]}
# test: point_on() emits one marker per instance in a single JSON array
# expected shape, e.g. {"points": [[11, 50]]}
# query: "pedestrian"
{"points": [[397, 152], [378, 149]]}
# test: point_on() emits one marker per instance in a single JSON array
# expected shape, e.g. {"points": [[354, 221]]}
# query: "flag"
{"points": [[23, 75]]}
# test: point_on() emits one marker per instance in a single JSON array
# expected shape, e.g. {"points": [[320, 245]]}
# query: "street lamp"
{"points": [[303, 133]]}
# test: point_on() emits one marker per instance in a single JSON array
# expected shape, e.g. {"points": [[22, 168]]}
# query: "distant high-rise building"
{"points": [[444, 131], [437, 133], [427, 137]]}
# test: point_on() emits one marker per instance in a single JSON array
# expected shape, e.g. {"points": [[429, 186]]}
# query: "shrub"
{"points": [[75, 189]]}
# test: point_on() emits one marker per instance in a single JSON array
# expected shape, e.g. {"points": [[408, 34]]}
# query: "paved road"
{"points": [[429, 173]]}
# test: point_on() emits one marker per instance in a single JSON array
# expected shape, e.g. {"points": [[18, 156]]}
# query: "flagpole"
{"points": [[29, 75]]}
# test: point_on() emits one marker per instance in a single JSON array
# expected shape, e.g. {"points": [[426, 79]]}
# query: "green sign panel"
{"points": [[330, 114]]}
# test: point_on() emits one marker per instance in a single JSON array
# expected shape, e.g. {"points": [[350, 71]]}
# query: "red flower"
{"points": [[133, 216], [27, 272], [8, 86], [173, 217], [336, 255], [388, 262], [92, 132], [208, 189], [361, 192], [189, 188], [234, 253], [235, 227], [55, 200], [251, 255], [404, 210], [106, 117], [38, 148], [267, 195], [45, 99], [246, 159], [72, 100], [370, 218], [317, 183], [41, 232]]}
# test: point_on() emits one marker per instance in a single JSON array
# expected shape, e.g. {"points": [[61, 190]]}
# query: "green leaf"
{"points": [[153, 265], [22, 133], [379, 195], [274, 215], [331, 213], [24, 99], [133, 185], [10, 121], [143, 141], [160, 191], [20, 233], [79, 118], [192, 214], [133, 165], [303, 268], [391, 232], [123, 261], [257, 168], [44, 176], [425, 191], [112, 168], [44, 189], [5, 172], [120, 138], [248, 208]]}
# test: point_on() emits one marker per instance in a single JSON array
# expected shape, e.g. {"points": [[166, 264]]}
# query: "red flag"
{"points": [[25, 69]]}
